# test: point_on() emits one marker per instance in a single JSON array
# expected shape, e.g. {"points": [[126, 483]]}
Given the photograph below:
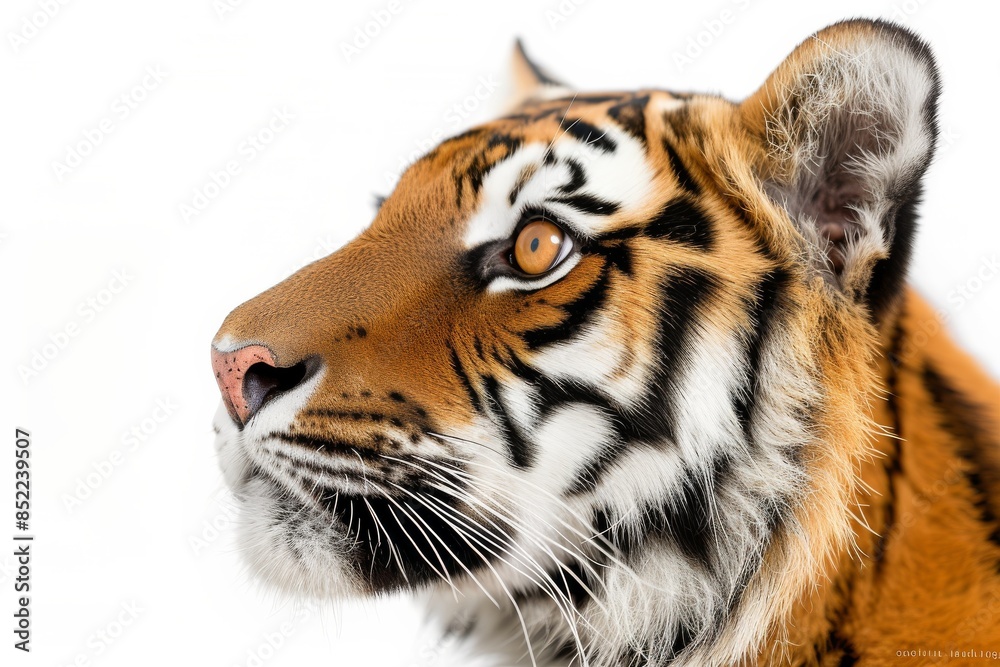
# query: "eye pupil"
{"points": [[534, 244]]}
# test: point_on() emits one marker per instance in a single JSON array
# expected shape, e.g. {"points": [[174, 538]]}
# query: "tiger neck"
{"points": [[925, 521]]}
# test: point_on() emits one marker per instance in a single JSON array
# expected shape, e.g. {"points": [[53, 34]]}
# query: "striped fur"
{"points": [[710, 436]]}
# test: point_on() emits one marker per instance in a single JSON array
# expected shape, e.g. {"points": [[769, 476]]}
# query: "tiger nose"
{"points": [[249, 376]]}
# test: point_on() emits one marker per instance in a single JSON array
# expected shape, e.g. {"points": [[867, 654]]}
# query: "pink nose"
{"points": [[249, 376]]}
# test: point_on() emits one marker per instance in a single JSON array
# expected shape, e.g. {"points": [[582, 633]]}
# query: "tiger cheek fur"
{"points": [[679, 442]]}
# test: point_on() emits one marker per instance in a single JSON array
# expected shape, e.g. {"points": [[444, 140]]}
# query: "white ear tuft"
{"points": [[849, 125]]}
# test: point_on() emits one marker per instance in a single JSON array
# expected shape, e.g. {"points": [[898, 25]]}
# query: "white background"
{"points": [[306, 192]]}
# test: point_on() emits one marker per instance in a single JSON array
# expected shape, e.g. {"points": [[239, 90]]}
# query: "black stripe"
{"points": [[298, 466], [589, 204], [680, 171], [588, 477], [849, 657], [681, 297], [739, 209], [485, 160], [888, 275], [326, 445], [458, 181], [848, 653], [893, 467], [618, 255], [578, 314], [464, 136], [589, 134], [631, 115], [683, 221], [837, 615], [967, 423], [553, 394], [684, 520], [684, 636], [776, 509], [522, 180], [588, 98], [893, 463], [521, 451], [459, 370], [374, 417], [894, 357], [577, 179], [572, 585], [684, 123], [763, 312], [417, 534]]}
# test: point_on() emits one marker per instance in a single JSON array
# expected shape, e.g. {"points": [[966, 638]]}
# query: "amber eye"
{"points": [[539, 247]]}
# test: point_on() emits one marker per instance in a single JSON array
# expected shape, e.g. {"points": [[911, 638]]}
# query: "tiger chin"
{"points": [[629, 379]]}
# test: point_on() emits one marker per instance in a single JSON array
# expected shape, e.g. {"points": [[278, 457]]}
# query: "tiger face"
{"points": [[596, 361]]}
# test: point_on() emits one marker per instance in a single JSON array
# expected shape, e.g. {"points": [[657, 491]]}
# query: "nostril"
{"points": [[250, 376], [263, 381]]}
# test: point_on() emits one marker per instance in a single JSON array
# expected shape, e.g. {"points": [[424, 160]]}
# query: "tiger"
{"points": [[636, 379]]}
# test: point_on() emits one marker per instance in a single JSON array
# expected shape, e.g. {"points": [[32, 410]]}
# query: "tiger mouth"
{"points": [[311, 463], [397, 522]]}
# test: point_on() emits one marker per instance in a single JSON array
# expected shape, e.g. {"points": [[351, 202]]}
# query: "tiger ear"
{"points": [[531, 82], [848, 125]]}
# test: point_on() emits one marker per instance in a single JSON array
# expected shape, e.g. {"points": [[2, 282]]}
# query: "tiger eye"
{"points": [[537, 247]]}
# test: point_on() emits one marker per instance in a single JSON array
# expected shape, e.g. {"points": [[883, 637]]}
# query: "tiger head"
{"points": [[607, 361]]}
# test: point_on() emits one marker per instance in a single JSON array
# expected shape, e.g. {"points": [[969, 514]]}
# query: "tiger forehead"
{"points": [[616, 106], [438, 195], [546, 120]]}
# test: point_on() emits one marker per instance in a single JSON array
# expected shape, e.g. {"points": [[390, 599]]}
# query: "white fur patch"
{"points": [[622, 176]]}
